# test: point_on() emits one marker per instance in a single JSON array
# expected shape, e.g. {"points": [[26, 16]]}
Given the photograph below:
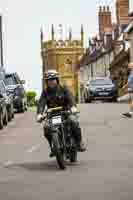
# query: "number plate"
{"points": [[56, 120], [103, 93]]}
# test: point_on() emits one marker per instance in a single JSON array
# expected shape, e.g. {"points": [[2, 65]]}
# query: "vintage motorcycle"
{"points": [[63, 143]]}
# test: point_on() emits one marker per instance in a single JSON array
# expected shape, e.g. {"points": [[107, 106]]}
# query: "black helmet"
{"points": [[51, 74]]}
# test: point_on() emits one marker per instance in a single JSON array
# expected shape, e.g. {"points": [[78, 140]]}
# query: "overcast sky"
{"points": [[21, 30]]}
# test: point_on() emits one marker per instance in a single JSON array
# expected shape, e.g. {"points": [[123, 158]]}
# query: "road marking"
{"points": [[34, 148], [7, 163]]}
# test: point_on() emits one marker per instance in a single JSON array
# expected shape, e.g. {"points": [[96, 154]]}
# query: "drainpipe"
{"points": [[1, 42]]}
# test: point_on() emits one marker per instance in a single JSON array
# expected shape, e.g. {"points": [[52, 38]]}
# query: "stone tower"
{"points": [[62, 55]]}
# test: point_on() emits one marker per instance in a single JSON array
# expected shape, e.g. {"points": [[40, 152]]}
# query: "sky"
{"points": [[22, 21]]}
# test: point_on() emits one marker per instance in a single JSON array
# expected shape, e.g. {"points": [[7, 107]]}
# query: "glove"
{"points": [[39, 116], [74, 109]]}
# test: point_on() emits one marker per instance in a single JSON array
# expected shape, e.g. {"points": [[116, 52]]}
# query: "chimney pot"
{"points": [[108, 8], [100, 8]]}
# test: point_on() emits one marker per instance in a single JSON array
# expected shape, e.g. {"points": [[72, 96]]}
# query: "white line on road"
{"points": [[34, 148], [7, 164]]}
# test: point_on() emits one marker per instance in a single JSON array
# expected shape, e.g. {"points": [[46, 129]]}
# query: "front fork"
{"points": [[58, 138]]}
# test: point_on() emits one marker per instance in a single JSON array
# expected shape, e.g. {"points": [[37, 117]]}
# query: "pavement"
{"points": [[103, 172]]}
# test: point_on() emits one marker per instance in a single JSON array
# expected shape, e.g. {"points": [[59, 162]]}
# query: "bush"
{"points": [[31, 98]]}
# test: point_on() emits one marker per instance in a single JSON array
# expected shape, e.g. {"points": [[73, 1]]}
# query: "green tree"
{"points": [[31, 101]]}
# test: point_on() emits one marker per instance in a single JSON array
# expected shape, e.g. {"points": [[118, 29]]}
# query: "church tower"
{"points": [[63, 55]]}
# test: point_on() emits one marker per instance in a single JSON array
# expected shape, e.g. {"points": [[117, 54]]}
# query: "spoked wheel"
{"points": [[58, 152], [60, 159]]}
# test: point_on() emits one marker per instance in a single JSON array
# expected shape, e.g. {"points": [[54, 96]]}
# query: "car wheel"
{"points": [[114, 99], [89, 101], [25, 107], [10, 115], [13, 115], [6, 119], [1, 121], [22, 109], [85, 99]]}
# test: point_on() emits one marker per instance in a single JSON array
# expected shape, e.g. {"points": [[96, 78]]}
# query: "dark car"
{"points": [[19, 99], [100, 89], [8, 99], [3, 109], [15, 86]]}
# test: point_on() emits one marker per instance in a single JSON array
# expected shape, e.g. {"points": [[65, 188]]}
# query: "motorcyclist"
{"points": [[56, 95]]}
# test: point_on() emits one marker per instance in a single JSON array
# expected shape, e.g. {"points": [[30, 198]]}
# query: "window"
{"points": [[19, 91], [12, 79], [101, 82], [9, 80], [2, 88]]}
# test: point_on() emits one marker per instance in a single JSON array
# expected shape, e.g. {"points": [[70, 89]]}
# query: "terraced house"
{"points": [[109, 52]]}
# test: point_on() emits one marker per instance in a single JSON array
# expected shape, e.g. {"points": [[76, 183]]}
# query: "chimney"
{"points": [[122, 13], [105, 21], [108, 40]]}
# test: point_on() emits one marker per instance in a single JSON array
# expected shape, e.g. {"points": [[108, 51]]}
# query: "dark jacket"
{"points": [[56, 97]]}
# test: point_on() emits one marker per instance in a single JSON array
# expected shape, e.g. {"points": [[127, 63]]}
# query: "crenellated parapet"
{"points": [[60, 43], [51, 44]]}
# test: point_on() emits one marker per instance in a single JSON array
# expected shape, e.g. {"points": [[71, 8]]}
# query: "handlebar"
{"points": [[60, 109], [54, 109]]}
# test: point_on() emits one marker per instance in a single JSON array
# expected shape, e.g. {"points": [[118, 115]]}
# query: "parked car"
{"points": [[20, 99], [8, 99], [3, 110], [100, 89], [15, 87]]}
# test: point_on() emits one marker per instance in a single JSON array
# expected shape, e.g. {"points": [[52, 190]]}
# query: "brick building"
{"points": [[109, 51]]}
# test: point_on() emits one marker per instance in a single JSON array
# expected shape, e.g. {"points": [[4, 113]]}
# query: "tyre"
{"points": [[1, 121], [89, 101], [58, 152], [13, 115], [21, 109], [73, 156], [6, 119], [9, 115], [114, 99], [26, 108]]}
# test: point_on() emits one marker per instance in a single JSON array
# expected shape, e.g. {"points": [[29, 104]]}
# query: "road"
{"points": [[103, 172]]}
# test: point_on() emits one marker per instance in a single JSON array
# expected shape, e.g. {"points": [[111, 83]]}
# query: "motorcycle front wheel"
{"points": [[58, 151]]}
